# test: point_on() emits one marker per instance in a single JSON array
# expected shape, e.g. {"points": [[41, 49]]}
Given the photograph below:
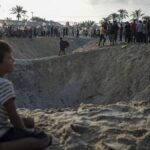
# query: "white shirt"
{"points": [[6, 93]]}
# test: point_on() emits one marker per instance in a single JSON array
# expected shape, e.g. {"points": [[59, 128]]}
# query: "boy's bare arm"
{"points": [[15, 119]]}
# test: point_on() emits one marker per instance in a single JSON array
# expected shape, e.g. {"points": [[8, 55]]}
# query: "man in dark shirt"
{"points": [[62, 47]]}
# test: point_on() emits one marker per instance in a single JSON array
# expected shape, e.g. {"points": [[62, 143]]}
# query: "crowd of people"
{"points": [[135, 32], [30, 31], [113, 32], [34, 31]]}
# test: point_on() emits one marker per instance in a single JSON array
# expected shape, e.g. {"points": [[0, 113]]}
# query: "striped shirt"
{"points": [[6, 93]]}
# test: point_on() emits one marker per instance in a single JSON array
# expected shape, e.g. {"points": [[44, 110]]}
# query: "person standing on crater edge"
{"points": [[14, 135], [63, 45], [102, 35]]}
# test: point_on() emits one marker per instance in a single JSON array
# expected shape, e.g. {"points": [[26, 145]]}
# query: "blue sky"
{"points": [[72, 10]]}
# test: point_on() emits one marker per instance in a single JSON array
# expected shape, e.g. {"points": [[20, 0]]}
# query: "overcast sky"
{"points": [[73, 10]]}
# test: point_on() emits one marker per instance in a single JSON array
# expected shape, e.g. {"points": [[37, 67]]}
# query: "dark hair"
{"points": [[4, 48]]}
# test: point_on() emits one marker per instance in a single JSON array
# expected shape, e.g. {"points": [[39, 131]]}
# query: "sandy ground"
{"points": [[121, 126], [110, 87]]}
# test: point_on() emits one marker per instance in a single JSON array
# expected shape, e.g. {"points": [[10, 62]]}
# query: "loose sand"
{"points": [[91, 99]]}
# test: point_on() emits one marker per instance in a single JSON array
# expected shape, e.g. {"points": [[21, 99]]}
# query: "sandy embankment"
{"points": [[25, 48], [99, 76]]}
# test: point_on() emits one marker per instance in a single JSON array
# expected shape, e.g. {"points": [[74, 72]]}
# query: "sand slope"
{"points": [[100, 76], [25, 48]]}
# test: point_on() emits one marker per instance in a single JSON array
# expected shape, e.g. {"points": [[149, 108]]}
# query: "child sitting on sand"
{"points": [[13, 133]]}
